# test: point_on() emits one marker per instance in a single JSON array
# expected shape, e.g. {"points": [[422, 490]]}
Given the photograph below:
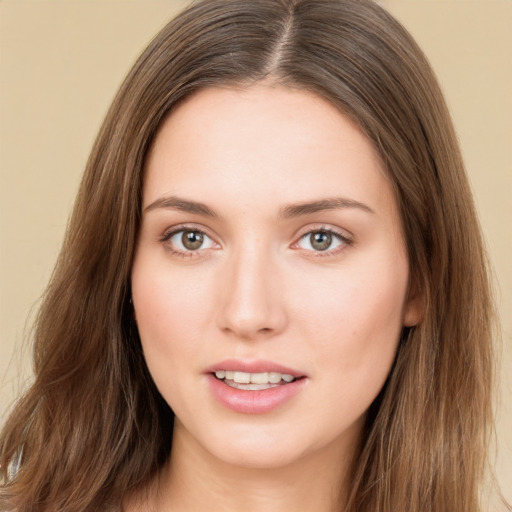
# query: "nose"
{"points": [[251, 299]]}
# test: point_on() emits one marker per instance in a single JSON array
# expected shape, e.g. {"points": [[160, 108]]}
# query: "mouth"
{"points": [[254, 387], [254, 381]]}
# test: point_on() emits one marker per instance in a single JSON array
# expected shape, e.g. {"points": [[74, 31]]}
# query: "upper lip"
{"points": [[257, 366]]}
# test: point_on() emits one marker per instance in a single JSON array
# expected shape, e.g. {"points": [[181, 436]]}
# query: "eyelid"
{"points": [[328, 228], [172, 231], [344, 236]]}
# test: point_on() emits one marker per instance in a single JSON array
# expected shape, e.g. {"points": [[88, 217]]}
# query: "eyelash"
{"points": [[182, 229], [345, 241]]}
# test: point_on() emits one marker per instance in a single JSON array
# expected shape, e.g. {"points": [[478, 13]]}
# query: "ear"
{"points": [[413, 308], [133, 310]]}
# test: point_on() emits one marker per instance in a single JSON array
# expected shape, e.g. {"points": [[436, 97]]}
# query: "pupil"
{"points": [[321, 240], [192, 240]]}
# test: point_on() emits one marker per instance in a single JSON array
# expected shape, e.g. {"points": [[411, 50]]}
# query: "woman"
{"points": [[273, 292]]}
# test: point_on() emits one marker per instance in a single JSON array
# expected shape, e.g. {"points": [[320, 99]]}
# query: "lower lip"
{"points": [[253, 402]]}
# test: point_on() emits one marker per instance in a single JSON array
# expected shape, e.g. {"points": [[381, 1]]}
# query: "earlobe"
{"points": [[413, 310], [133, 310]]}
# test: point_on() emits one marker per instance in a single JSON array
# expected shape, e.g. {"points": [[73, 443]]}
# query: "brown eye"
{"points": [[192, 240], [188, 241], [320, 240]]}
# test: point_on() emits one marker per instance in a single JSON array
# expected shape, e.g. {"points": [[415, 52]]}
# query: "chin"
{"points": [[256, 446], [258, 455]]}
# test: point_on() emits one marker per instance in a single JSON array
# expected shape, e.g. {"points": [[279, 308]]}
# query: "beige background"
{"points": [[61, 62]]}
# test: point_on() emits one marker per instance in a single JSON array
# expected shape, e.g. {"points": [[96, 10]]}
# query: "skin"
{"points": [[259, 289]]}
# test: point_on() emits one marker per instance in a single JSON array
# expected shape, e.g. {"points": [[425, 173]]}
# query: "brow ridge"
{"points": [[181, 204], [290, 211], [334, 203]]}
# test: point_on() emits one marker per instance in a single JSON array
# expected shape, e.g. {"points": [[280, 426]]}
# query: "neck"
{"points": [[194, 479]]}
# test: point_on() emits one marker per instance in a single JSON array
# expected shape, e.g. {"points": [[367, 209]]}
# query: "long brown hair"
{"points": [[93, 425]]}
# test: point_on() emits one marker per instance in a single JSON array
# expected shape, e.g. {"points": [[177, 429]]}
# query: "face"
{"points": [[270, 281]]}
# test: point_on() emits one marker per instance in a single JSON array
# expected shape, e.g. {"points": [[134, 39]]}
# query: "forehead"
{"points": [[261, 142]]}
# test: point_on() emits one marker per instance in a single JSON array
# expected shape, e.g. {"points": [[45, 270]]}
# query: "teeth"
{"points": [[249, 387], [254, 378], [259, 378], [242, 377], [274, 377]]}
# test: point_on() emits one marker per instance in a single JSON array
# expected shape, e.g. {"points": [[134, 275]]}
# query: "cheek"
{"points": [[171, 311], [354, 324]]}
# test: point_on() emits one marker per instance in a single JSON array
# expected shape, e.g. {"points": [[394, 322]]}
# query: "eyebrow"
{"points": [[287, 212], [177, 203], [335, 203]]}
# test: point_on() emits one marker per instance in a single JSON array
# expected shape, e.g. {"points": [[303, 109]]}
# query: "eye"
{"points": [[188, 240], [322, 240]]}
